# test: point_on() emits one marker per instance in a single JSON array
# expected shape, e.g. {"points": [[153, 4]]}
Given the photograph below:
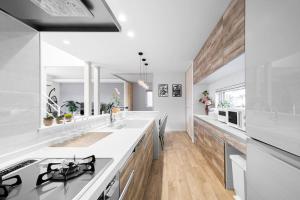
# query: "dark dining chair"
{"points": [[162, 127]]}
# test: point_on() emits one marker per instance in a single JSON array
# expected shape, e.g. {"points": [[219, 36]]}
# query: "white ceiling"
{"points": [[169, 32]]}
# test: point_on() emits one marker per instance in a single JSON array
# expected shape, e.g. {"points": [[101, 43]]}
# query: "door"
{"points": [[273, 73], [272, 174], [189, 102]]}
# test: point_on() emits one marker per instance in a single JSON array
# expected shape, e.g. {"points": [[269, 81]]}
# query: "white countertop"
{"points": [[117, 146], [238, 134]]}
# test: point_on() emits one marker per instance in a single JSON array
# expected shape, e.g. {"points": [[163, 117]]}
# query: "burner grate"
{"points": [[64, 172], [6, 187], [16, 167]]}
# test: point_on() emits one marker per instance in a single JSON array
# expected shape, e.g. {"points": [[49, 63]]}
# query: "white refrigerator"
{"points": [[273, 99]]}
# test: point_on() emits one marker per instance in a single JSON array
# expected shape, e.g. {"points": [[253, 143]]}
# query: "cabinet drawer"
{"points": [[126, 171], [128, 191]]}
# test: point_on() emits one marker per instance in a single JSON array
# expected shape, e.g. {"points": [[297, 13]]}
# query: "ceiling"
{"points": [[169, 32]]}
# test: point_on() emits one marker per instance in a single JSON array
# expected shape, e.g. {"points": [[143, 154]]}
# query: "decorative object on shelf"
{"points": [[72, 106], [163, 90], [68, 117], [116, 97], [48, 120], [206, 101], [52, 99], [177, 90], [59, 119]]}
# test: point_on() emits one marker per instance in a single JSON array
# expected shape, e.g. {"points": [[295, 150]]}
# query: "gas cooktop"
{"points": [[47, 179]]}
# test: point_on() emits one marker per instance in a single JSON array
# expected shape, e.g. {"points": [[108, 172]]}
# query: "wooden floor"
{"points": [[182, 173]]}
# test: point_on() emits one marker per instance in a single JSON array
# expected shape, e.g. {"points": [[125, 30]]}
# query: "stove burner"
{"points": [[67, 170], [6, 186]]}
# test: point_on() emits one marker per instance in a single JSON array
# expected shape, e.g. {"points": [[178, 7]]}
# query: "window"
{"points": [[233, 96], [149, 98]]}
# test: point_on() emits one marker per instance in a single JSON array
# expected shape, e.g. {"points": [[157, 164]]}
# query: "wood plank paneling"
{"points": [[211, 143], [234, 30], [226, 42]]}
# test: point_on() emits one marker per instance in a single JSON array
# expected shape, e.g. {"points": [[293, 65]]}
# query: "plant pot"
{"points": [[48, 122], [59, 121], [116, 110], [68, 119]]}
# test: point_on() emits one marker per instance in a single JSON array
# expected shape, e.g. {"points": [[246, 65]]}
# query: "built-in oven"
{"points": [[236, 118]]}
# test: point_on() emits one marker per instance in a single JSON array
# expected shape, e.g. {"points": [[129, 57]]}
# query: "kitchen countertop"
{"points": [[236, 133], [117, 146]]}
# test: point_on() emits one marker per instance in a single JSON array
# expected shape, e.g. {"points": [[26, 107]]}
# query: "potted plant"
{"points": [[72, 106], [206, 100], [59, 119], [103, 108], [48, 120], [68, 117]]}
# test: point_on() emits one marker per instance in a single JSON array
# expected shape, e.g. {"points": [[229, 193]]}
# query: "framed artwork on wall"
{"points": [[177, 90], [163, 90]]}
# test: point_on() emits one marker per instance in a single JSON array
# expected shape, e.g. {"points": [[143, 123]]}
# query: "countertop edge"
{"points": [[243, 139]]}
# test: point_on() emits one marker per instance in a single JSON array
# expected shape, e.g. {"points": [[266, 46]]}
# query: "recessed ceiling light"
{"points": [[122, 18], [66, 42], [130, 34]]}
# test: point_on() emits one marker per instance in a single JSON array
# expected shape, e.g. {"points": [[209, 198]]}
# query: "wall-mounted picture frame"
{"points": [[177, 90], [163, 90]]}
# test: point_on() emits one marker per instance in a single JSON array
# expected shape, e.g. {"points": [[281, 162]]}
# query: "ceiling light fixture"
{"points": [[66, 42], [122, 18], [130, 34], [141, 82]]}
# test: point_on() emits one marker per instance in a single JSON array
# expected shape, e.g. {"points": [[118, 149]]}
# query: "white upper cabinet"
{"points": [[273, 72]]}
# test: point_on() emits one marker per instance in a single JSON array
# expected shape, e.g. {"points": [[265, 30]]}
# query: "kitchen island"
{"points": [[125, 136]]}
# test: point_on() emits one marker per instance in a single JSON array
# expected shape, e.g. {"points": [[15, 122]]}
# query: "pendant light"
{"points": [[140, 81]]}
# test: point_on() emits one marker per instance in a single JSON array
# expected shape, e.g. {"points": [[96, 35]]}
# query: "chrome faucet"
{"points": [[110, 108]]}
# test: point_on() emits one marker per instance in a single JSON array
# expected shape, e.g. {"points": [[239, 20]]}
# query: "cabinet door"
{"points": [[215, 49], [126, 171], [216, 150], [234, 30]]}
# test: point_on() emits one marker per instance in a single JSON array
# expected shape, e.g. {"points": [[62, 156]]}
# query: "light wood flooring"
{"points": [[182, 173]]}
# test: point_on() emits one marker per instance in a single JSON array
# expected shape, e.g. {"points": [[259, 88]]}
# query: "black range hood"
{"points": [[63, 15]]}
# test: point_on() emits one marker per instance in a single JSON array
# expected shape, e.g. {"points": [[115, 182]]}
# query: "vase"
{"points": [[206, 110]]}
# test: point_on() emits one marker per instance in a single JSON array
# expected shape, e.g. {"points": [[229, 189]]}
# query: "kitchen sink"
{"points": [[83, 140]]}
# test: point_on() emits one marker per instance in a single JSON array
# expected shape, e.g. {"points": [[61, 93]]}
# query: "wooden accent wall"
{"points": [[226, 42], [128, 95]]}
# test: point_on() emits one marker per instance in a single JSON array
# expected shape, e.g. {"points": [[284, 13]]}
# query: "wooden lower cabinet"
{"points": [[140, 165], [212, 145]]}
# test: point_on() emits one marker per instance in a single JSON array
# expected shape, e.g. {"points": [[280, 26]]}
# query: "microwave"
{"points": [[236, 118], [222, 115]]}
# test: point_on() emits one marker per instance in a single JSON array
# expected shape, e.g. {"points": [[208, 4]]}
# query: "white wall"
{"points": [[173, 106], [139, 98], [19, 78]]}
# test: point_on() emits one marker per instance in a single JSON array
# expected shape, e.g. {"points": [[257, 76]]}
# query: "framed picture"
{"points": [[163, 90], [177, 90]]}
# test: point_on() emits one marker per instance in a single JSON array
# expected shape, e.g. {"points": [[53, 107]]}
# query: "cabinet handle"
{"points": [[127, 185]]}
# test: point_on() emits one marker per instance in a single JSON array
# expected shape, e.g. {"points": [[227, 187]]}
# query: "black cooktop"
{"points": [[66, 178]]}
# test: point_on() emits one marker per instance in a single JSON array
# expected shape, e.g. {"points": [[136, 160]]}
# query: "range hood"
{"points": [[63, 15]]}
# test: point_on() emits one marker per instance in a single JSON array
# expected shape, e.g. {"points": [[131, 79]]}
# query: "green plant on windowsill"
{"points": [[68, 117], [72, 106], [60, 119], [48, 120]]}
